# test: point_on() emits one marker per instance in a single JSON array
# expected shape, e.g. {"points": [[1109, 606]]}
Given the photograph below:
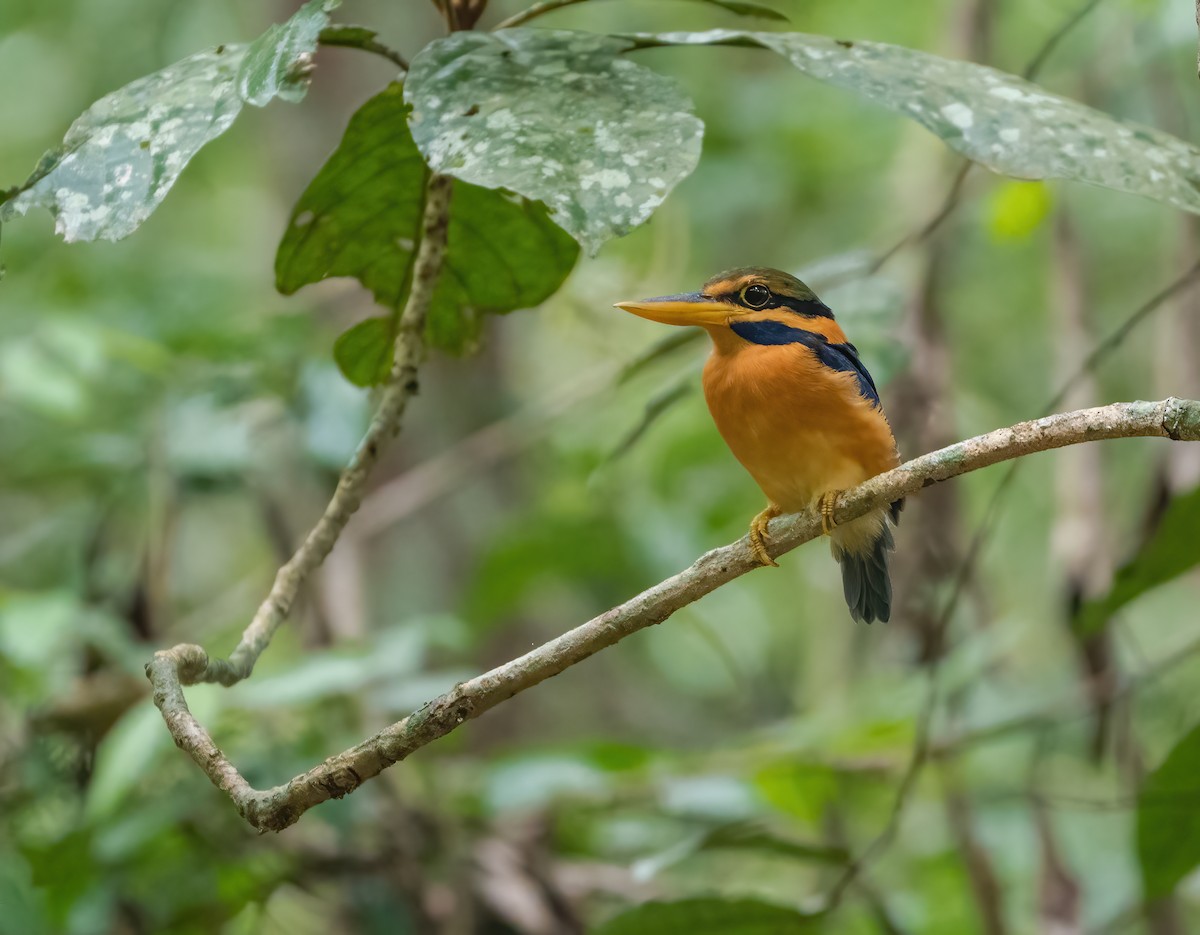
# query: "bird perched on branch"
{"points": [[799, 411]]}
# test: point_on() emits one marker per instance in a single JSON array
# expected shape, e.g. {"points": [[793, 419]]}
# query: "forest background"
{"points": [[171, 426]]}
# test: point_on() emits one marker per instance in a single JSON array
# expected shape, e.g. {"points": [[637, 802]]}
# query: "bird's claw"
{"points": [[759, 536], [825, 505]]}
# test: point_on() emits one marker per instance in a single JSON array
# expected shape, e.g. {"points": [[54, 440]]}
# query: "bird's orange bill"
{"points": [[690, 308]]}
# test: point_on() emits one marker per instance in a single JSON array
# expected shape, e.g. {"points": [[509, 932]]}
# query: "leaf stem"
{"points": [[362, 38]]}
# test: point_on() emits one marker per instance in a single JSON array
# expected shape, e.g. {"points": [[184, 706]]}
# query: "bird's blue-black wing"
{"points": [[842, 357]]}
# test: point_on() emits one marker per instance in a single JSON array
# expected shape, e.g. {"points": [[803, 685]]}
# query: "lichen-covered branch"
{"points": [[277, 808], [188, 664]]}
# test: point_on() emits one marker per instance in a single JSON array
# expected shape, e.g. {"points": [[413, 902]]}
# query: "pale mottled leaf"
{"points": [[119, 159], [276, 63], [997, 119], [361, 217], [556, 116]]}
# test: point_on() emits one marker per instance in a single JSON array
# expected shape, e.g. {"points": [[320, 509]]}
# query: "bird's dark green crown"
{"points": [[763, 289]]}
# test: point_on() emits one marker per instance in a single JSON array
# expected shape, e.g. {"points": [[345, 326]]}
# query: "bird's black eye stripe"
{"points": [[809, 308], [756, 295]]}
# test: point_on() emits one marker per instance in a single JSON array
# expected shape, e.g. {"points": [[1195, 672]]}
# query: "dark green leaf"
{"points": [[347, 35], [364, 352], [557, 116], [1173, 549], [710, 917], [119, 159], [361, 217], [276, 64], [1168, 819], [999, 120]]}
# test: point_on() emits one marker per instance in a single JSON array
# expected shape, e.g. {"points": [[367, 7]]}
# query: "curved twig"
{"points": [[188, 664], [363, 39], [538, 9], [277, 808]]}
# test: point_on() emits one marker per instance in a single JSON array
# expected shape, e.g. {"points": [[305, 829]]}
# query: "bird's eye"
{"points": [[756, 296]]}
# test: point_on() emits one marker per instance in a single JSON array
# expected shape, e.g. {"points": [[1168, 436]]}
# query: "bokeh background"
{"points": [[170, 426]]}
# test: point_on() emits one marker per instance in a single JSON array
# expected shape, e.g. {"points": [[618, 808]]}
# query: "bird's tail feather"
{"points": [[862, 547]]}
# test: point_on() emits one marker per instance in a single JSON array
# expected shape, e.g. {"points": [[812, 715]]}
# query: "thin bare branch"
{"points": [[188, 664], [1088, 365], [981, 874], [477, 453], [1039, 59], [538, 9], [1064, 712], [916, 764], [277, 808]]}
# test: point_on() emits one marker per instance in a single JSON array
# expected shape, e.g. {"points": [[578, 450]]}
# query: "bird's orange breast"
{"points": [[800, 428]]}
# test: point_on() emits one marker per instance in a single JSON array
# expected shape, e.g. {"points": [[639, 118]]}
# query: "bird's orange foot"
{"points": [[825, 505], [759, 536]]}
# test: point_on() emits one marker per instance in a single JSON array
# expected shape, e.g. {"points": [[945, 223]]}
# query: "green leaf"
{"points": [[556, 116], [345, 34], [1168, 820], [710, 917], [122, 155], [1006, 123], [803, 790], [125, 759], [1173, 549], [361, 217], [741, 8], [277, 63], [364, 352]]}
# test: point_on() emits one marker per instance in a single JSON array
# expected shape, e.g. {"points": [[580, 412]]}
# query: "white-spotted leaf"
{"points": [[119, 159], [276, 63], [999, 120], [559, 117]]}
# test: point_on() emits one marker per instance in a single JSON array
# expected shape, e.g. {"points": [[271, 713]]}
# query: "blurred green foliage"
{"points": [[170, 426]]}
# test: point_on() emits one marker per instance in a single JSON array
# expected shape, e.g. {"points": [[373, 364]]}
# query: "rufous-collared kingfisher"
{"points": [[799, 411]]}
